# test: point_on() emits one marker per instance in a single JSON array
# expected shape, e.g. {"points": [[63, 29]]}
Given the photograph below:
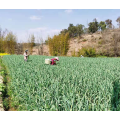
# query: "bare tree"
{"points": [[19, 48], [2, 39], [40, 45], [108, 23], [118, 20], [10, 42], [32, 43], [29, 44]]}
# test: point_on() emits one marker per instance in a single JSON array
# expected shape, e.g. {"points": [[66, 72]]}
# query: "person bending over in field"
{"points": [[53, 60], [26, 55]]}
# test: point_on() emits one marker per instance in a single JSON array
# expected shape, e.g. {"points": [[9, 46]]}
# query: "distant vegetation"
{"points": [[59, 44], [111, 46], [8, 43]]}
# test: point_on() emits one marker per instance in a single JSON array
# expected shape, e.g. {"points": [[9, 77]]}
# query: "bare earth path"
{"points": [[1, 104]]}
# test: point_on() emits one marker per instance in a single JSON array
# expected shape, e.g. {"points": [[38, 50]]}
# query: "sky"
{"points": [[44, 22]]}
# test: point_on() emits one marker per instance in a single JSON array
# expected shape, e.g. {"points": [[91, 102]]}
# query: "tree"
{"points": [[80, 30], [118, 20], [108, 23], [10, 43], [32, 42], [2, 39], [70, 25], [72, 30], [19, 48], [102, 25], [64, 31], [96, 23], [40, 46], [46, 42], [93, 26], [86, 30], [59, 44]]}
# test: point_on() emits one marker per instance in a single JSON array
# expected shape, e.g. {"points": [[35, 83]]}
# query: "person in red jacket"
{"points": [[53, 60]]}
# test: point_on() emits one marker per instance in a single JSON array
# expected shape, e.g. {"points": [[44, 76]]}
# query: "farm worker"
{"points": [[82, 56], [53, 60], [26, 55]]}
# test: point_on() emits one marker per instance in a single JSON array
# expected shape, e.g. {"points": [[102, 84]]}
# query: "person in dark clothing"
{"points": [[26, 55]]}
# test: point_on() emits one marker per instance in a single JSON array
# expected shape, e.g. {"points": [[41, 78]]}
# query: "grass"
{"points": [[74, 84]]}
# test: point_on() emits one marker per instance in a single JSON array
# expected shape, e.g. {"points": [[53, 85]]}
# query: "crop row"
{"points": [[76, 84]]}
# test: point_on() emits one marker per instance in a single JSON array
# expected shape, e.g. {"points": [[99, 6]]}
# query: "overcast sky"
{"points": [[44, 22]]}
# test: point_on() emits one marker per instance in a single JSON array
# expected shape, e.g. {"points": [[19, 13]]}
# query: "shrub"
{"points": [[81, 52], [6, 103], [84, 40], [101, 42], [88, 52]]}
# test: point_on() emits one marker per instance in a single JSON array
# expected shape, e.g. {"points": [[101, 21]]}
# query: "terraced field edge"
{"points": [[5, 88]]}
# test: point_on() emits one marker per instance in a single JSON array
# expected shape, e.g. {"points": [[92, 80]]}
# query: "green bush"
{"points": [[0, 87], [84, 40], [90, 52], [101, 42], [6, 103], [87, 52], [81, 52], [101, 56]]}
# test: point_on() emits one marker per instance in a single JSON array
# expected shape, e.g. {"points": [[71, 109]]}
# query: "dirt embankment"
{"points": [[45, 50], [92, 40], [85, 40]]}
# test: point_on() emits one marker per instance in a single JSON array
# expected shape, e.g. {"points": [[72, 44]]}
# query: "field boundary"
{"points": [[4, 94], [1, 102], [1, 88]]}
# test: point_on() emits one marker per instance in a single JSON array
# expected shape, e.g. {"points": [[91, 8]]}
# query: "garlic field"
{"points": [[74, 84]]}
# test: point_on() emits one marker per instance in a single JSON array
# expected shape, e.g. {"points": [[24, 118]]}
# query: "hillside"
{"points": [[97, 40]]}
